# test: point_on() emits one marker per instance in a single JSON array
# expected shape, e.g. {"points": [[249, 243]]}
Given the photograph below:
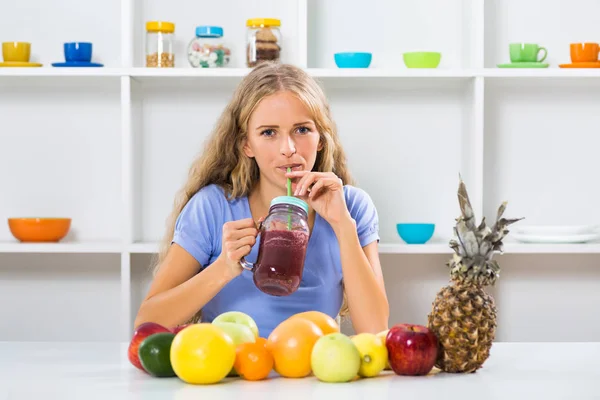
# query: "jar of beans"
{"points": [[263, 40], [159, 44], [207, 49]]}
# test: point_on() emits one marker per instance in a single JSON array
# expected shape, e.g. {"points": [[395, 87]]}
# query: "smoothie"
{"points": [[278, 269]]}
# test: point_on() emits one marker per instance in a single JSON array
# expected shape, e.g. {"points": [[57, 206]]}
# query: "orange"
{"points": [[291, 344], [253, 361], [323, 321], [262, 341]]}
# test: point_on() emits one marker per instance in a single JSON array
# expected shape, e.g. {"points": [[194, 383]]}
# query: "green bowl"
{"points": [[422, 59]]}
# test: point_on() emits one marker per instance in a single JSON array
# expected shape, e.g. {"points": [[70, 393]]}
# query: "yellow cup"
{"points": [[16, 51]]}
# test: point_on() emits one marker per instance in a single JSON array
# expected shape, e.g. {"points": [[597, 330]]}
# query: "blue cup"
{"points": [[78, 51]]}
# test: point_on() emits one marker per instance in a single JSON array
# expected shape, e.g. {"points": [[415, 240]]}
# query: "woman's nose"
{"points": [[287, 146]]}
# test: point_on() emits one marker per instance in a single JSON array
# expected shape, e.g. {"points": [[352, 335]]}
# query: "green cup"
{"points": [[526, 52]]}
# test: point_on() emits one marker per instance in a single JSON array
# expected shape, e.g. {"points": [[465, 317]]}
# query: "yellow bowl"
{"points": [[39, 229]]}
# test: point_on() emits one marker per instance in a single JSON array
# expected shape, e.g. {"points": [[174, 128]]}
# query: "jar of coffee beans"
{"points": [[159, 44], [263, 40]]}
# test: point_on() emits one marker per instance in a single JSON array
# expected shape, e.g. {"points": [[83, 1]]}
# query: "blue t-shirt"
{"points": [[199, 230]]}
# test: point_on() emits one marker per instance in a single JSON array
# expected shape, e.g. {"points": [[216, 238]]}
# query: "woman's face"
{"points": [[282, 134]]}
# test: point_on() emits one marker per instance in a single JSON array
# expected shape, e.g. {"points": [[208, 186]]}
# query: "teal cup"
{"points": [[526, 52]]}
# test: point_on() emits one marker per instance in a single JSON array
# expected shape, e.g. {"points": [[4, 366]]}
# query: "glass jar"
{"points": [[207, 49], [283, 242], [159, 44], [263, 40]]}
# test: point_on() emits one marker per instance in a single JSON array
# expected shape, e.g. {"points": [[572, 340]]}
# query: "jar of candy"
{"points": [[159, 44], [207, 49], [263, 40]]}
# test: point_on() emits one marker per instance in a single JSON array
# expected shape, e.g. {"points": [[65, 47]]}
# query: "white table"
{"points": [[86, 371]]}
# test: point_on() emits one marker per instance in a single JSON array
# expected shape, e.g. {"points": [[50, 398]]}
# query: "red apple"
{"points": [[179, 328], [142, 332], [412, 349]]}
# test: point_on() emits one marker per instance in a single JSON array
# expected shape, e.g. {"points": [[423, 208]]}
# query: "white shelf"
{"points": [[144, 248], [84, 247], [539, 72], [374, 73], [441, 248], [62, 72], [384, 248]]}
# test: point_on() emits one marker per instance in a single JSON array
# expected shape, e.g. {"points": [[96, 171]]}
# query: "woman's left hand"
{"points": [[323, 191]]}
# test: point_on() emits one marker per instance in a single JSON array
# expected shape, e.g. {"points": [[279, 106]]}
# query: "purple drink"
{"points": [[278, 270]]}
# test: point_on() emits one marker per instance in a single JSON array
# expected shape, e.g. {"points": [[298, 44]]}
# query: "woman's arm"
{"points": [[363, 280], [178, 291]]}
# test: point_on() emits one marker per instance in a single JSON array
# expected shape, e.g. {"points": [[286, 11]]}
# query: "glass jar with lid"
{"points": [[207, 49], [159, 44], [263, 40], [283, 239]]}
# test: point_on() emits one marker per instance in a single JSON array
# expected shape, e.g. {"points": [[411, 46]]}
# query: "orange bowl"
{"points": [[39, 229]]}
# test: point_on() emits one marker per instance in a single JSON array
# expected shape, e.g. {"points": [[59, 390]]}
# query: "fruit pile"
{"points": [[304, 344]]}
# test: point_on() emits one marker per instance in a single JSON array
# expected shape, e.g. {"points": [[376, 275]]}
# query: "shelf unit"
{"points": [[467, 116]]}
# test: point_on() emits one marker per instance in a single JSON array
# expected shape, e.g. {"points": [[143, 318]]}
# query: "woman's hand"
{"points": [[324, 192], [236, 242]]}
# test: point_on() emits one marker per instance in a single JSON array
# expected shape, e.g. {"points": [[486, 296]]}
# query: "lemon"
{"points": [[373, 354], [202, 354]]}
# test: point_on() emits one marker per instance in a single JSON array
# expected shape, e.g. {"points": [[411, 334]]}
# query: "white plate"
{"points": [[558, 230], [528, 238]]}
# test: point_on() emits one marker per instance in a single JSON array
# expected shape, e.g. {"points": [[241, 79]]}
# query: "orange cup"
{"points": [[584, 52]]}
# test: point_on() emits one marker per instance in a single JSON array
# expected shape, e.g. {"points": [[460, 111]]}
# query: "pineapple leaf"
{"points": [[474, 246], [501, 210], [465, 206]]}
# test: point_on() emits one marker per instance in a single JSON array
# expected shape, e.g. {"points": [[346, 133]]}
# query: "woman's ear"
{"points": [[247, 150]]}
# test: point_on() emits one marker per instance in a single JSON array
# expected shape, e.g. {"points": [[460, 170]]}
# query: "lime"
{"points": [[155, 354]]}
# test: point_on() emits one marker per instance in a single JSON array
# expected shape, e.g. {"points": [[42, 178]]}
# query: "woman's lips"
{"points": [[294, 167]]}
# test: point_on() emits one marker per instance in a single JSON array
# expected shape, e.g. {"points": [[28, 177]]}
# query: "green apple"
{"points": [[239, 318], [239, 333], [335, 358], [373, 354]]}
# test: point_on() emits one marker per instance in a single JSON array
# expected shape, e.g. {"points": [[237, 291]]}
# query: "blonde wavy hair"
{"points": [[223, 162]]}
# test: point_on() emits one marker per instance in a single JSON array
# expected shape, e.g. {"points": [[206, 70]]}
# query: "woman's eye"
{"points": [[268, 132], [303, 130]]}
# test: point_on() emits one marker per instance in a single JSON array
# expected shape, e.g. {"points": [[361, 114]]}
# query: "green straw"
{"points": [[289, 193]]}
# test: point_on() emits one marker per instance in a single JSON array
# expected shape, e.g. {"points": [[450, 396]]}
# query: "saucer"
{"points": [[19, 64], [524, 65], [590, 64], [76, 64], [558, 238]]}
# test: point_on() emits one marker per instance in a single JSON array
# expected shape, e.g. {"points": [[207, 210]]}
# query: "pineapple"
{"points": [[463, 315]]}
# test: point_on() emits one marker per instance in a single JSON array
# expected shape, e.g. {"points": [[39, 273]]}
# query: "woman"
{"points": [[277, 119]]}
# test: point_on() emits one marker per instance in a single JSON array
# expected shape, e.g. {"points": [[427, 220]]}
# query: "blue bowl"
{"points": [[352, 60], [78, 51], [415, 233]]}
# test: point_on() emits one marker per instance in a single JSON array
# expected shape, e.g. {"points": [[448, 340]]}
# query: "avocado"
{"points": [[155, 354]]}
